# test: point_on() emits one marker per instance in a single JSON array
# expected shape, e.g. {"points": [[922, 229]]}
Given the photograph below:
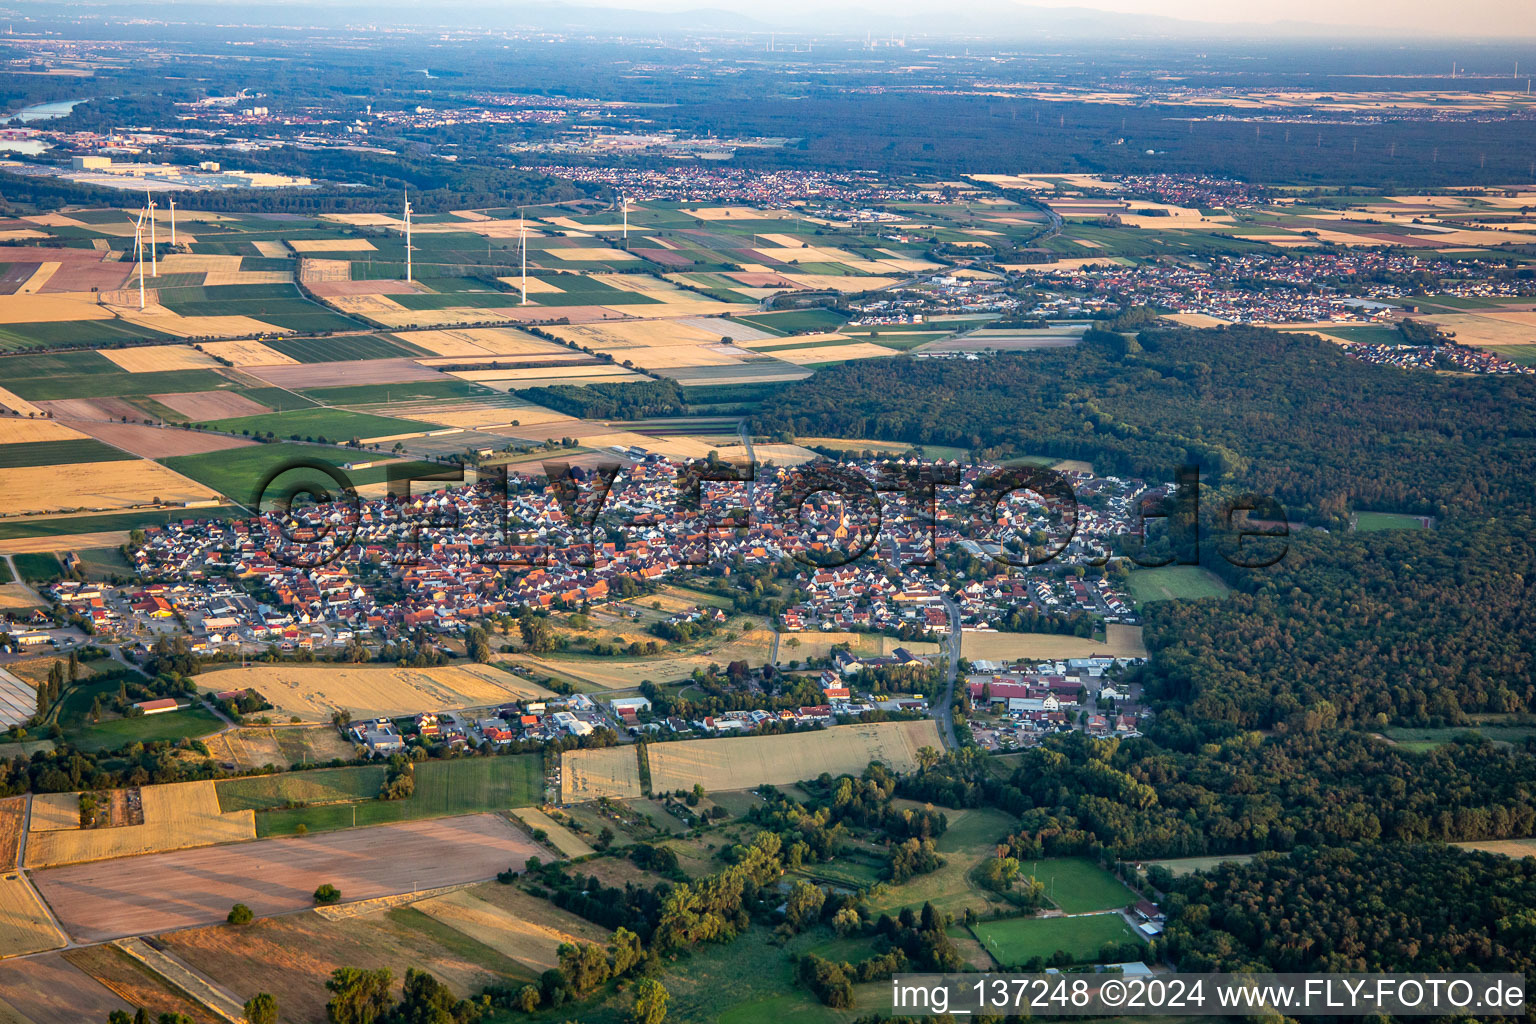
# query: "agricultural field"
{"points": [[802, 646], [290, 956], [313, 692], [612, 772], [516, 925], [281, 747], [467, 785], [1122, 641], [752, 646], [117, 484], [319, 424], [750, 761], [561, 838], [190, 888], [320, 786], [1170, 582], [49, 989], [1015, 941], [237, 472], [177, 816]]}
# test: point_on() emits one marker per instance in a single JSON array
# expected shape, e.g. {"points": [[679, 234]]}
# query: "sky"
{"points": [[1461, 17], [1486, 19]]}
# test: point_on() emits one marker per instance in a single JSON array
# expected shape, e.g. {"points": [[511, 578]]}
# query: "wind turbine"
{"points": [[522, 248], [407, 235], [138, 253], [153, 242], [172, 201], [624, 203]]}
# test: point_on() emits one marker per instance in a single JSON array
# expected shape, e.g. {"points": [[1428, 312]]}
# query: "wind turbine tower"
{"points": [[173, 222], [407, 236], [138, 249], [522, 248], [624, 202], [154, 262]]}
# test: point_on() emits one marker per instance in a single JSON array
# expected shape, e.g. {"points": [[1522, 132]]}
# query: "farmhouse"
{"points": [[157, 707]]}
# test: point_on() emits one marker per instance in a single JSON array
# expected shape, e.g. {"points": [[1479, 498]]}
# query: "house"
{"points": [[157, 707]]}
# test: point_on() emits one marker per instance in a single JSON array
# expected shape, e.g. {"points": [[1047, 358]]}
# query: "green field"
{"points": [[281, 305], [321, 424], [1420, 740], [64, 525], [1078, 885], [74, 332], [174, 725], [793, 320], [237, 472], [1169, 582], [409, 391], [1018, 940], [320, 786], [971, 838], [1373, 522], [464, 786], [343, 349], [59, 453], [1179, 866], [39, 566], [115, 385], [1524, 355]]}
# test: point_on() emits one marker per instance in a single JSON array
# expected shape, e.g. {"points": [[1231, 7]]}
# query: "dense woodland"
{"points": [[1409, 626], [1284, 415], [1136, 799], [1357, 908]]}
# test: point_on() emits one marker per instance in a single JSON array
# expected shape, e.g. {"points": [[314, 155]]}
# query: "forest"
{"points": [[1135, 798], [1282, 415], [1357, 908], [1414, 627]]}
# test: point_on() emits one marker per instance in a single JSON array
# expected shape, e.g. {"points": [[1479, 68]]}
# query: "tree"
{"points": [[240, 914], [359, 996], [261, 1009], [327, 893], [528, 998], [650, 1002], [536, 634]]}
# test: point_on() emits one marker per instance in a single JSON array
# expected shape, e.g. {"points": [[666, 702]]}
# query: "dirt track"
{"points": [[166, 891]]}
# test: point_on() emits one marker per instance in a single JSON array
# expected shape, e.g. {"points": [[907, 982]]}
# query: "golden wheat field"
{"points": [[834, 353], [752, 646], [159, 318], [95, 485], [177, 816], [519, 926], [31, 309], [52, 812], [477, 341], [17, 405], [636, 334], [313, 692], [561, 838], [247, 353], [535, 285], [1121, 642], [308, 245], [750, 761], [25, 926], [154, 358], [603, 771], [15, 430]]}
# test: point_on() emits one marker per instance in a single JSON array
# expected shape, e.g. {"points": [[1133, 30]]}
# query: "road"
{"points": [[944, 714]]}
